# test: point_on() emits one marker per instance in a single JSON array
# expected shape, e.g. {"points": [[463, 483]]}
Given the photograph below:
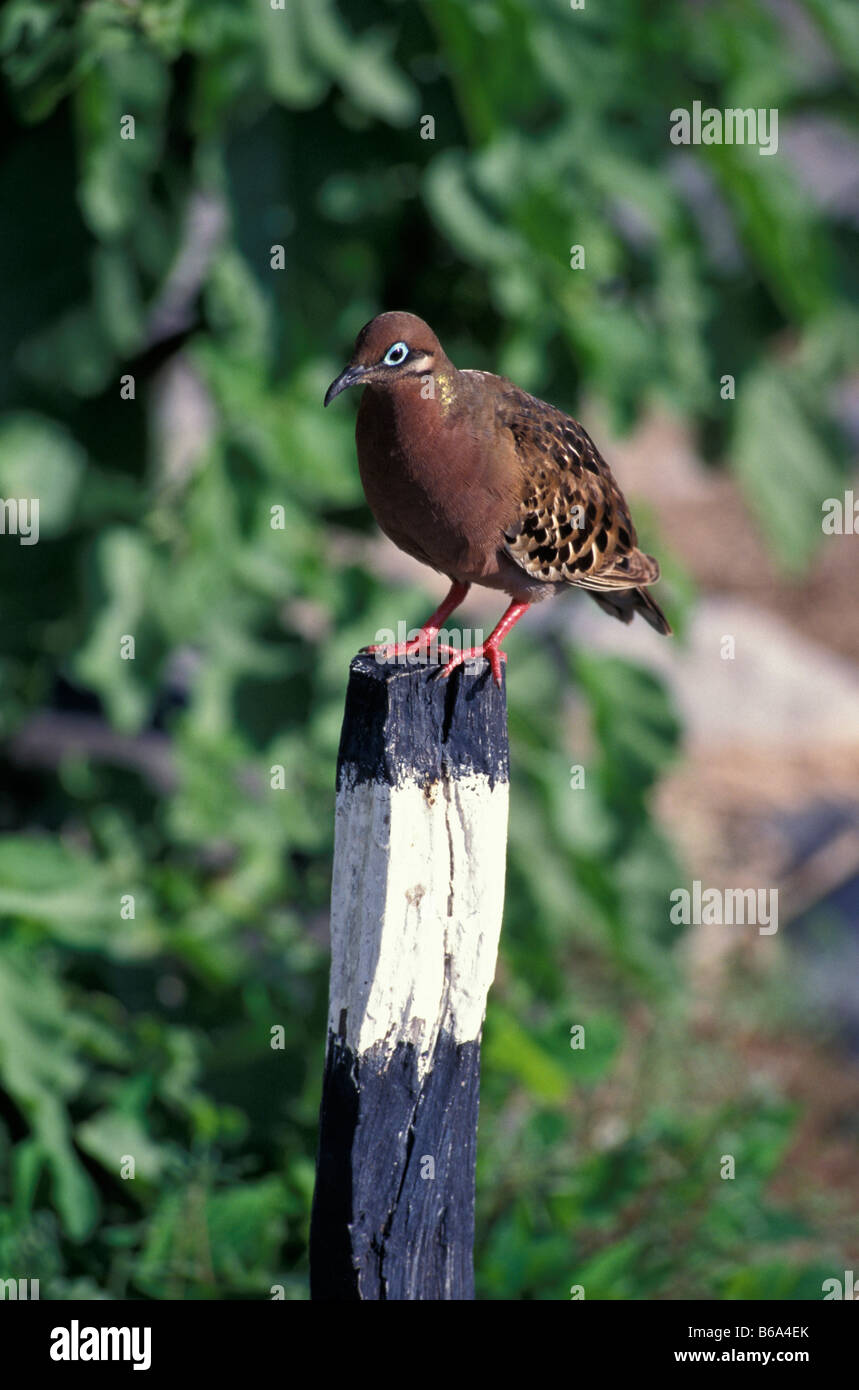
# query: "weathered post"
{"points": [[416, 903]]}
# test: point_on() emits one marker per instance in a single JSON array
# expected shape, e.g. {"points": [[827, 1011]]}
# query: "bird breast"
{"points": [[429, 479]]}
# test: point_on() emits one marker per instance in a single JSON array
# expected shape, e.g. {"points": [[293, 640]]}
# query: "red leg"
{"points": [[491, 648], [431, 627]]}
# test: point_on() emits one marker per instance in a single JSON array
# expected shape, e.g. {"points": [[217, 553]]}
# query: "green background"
{"points": [[152, 257]]}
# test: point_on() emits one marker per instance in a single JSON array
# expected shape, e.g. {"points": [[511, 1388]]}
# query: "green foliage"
{"points": [[150, 1035], [646, 1216]]}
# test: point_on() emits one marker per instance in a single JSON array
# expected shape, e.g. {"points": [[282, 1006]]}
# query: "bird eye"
{"points": [[397, 353]]}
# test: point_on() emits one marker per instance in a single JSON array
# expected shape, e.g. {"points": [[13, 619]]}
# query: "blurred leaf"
{"points": [[40, 1075], [123, 570], [360, 65], [111, 1136], [637, 727], [39, 459], [509, 1048], [783, 465]]}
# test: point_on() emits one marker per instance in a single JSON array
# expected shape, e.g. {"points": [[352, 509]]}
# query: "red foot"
{"points": [[492, 653], [430, 629], [491, 648]]}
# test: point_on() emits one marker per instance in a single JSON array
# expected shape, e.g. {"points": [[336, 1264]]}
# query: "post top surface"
{"points": [[403, 723]]}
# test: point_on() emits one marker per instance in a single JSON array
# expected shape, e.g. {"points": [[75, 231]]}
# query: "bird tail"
{"points": [[625, 603]]}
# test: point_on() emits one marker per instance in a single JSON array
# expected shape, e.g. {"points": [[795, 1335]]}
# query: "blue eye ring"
{"points": [[401, 350]]}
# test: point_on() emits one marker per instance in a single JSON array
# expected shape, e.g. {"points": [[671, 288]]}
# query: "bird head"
{"points": [[389, 349]]}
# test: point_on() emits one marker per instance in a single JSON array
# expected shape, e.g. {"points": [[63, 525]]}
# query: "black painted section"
{"points": [[382, 1229], [403, 723]]}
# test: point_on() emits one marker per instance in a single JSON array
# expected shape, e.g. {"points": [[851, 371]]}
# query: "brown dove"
{"points": [[488, 485]]}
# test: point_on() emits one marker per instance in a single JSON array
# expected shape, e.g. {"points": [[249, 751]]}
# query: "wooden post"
{"points": [[416, 903]]}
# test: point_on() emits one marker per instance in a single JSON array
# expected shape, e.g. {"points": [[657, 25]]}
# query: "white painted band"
{"points": [[416, 907]]}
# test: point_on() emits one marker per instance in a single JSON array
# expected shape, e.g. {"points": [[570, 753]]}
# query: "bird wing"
{"points": [[573, 524]]}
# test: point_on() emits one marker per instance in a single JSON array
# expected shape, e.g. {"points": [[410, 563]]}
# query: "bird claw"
{"points": [[406, 649], [494, 655]]}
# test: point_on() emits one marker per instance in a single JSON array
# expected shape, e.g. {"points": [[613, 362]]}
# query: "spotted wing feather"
{"points": [[573, 524]]}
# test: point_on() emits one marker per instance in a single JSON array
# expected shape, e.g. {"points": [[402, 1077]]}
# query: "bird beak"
{"points": [[348, 377]]}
